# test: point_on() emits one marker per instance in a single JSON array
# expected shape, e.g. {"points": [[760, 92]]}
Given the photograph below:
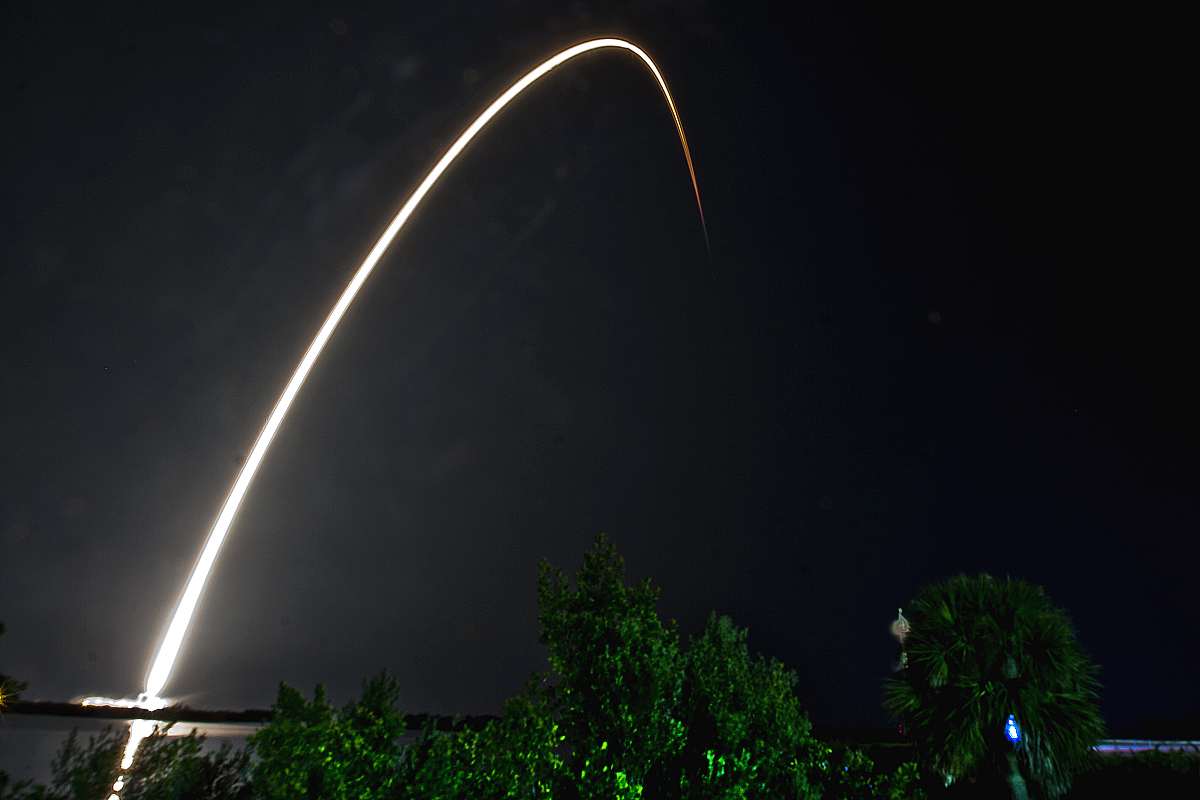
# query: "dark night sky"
{"points": [[944, 328]]}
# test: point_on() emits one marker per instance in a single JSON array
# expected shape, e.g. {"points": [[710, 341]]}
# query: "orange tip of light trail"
{"points": [[172, 640]]}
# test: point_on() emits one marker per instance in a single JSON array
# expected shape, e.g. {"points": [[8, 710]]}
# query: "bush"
{"points": [[87, 772], [742, 722], [176, 768], [513, 757], [846, 772], [310, 749]]}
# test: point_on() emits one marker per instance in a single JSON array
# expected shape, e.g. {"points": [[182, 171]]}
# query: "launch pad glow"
{"points": [[172, 640]]}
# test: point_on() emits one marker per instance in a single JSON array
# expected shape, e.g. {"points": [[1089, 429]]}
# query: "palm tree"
{"points": [[10, 688], [997, 688]]}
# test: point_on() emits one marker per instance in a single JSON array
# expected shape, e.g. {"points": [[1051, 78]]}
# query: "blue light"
{"points": [[1012, 730]]}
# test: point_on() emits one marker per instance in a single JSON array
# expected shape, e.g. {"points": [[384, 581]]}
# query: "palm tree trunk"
{"points": [[1016, 782]]}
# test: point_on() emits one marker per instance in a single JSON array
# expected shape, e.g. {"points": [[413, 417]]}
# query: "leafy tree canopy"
{"points": [[980, 650], [517, 756], [311, 750], [744, 725], [177, 768], [621, 673]]}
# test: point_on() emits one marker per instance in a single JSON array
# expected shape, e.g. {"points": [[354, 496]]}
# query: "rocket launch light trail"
{"points": [[172, 641]]}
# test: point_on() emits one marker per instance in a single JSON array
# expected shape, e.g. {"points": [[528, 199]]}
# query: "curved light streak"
{"points": [[172, 640]]}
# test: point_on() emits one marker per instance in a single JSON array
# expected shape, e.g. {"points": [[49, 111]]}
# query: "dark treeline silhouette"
{"points": [[184, 713]]}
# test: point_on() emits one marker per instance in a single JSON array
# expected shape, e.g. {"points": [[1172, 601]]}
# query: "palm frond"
{"points": [[980, 649]]}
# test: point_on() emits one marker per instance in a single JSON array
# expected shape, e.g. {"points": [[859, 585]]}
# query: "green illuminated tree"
{"points": [[981, 649], [513, 757], [311, 750], [845, 772], [744, 725], [621, 675]]}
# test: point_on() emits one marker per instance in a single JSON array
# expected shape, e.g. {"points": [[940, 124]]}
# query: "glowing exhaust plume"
{"points": [[172, 641]]}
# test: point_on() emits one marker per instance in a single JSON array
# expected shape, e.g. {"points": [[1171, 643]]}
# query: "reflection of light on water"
{"points": [[138, 729], [214, 730]]}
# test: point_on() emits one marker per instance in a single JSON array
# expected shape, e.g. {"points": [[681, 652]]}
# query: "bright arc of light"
{"points": [[172, 641]]}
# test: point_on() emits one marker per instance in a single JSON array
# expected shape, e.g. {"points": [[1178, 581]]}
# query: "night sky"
{"points": [[944, 327]]}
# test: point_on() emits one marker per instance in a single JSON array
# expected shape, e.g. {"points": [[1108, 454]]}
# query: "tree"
{"points": [[10, 688], [845, 772], [621, 675], [515, 756], [311, 750], [177, 768], [744, 725], [983, 653], [87, 771], [22, 790]]}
